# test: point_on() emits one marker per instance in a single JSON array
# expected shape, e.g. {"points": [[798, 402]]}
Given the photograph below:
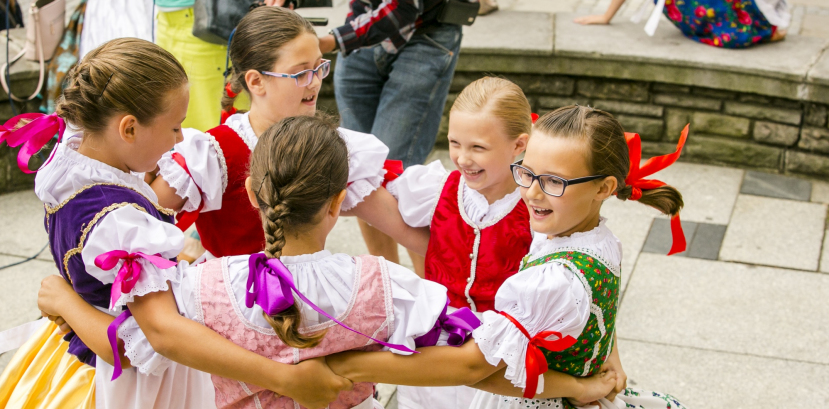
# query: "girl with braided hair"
{"points": [[115, 249], [276, 59], [298, 181]]}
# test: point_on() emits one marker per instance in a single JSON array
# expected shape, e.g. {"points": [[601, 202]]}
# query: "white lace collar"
{"points": [[240, 123], [480, 211], [600, 241], [70, 171], [306, 258]]}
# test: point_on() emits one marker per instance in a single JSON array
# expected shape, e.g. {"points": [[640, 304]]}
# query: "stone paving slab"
{"points": [[824, 258], [22, 234], [496, 33], [704, 379], [628, 41], [729, 307], [630, 222], [709, 192], [775, 232], [820, 192], [660, 237], [779, 186]]}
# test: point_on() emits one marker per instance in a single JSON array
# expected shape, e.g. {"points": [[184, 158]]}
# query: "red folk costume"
{"points": [[473, 261], [209, 171]]}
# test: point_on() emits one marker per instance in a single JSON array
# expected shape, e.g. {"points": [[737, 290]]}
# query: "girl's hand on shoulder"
{"points": [[314, 385], [594, 19], [595, 387], [53, 292]]}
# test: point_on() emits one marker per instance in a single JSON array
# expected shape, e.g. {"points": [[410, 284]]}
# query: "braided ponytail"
{"points": [[608, 151], [299, 165]]}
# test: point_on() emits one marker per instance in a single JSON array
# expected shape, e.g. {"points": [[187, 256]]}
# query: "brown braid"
{"points": [[298, 166]]}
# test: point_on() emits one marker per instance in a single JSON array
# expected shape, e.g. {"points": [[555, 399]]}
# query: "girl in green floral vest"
{"points": [[557, 315]]}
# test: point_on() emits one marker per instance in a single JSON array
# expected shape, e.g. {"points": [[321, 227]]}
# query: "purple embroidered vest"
{"points": [[69, 225]]}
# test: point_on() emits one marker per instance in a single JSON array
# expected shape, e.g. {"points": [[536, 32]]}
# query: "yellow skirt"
{"points": [[204, 63], [42, 374]]}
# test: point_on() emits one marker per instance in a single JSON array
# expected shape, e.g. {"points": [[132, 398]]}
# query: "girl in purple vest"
{"points": [[479, 228], [276, 59], [298, 179], [115, 248], [557, 314]]}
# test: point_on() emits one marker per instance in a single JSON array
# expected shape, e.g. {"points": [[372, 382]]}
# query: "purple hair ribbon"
{"points": [[270, 284]]}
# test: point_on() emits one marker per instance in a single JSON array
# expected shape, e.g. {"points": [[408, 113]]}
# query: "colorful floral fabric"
{"points": [[66, 56], [720, 23], [593, 345]]}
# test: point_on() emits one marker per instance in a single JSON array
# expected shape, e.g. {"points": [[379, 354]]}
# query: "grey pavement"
{"points": [[744, 328]]}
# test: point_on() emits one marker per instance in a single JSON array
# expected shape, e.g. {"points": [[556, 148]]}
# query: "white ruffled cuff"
{"points": [[499, 339], [178, 179], [152, 279], [138, 350], [357, 191]]}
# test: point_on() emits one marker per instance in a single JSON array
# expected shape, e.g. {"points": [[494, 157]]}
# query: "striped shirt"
{"points": [[388, 22]]}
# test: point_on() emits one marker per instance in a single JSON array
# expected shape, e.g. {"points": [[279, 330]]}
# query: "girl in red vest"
{"points": [[276, 59], [557, 314], [479, 228]]}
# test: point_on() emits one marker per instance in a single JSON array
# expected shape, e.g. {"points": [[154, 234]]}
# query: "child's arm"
{"points": [[203, 181], [602, 18], [194, 345], [433, 366], [167, 196], [57, 298], [380, 210], [614, 363], [556, 385]]}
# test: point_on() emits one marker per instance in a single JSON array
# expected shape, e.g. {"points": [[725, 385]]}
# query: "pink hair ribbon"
{"points": [[124, 282], [535, 362], [636, 179], [33, 136], [270, 284]]}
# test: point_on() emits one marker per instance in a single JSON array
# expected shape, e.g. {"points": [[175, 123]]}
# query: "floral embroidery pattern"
{"points": [[720, 23]]}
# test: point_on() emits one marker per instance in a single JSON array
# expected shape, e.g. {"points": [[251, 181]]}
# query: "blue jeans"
{"points": [[399, 97]]}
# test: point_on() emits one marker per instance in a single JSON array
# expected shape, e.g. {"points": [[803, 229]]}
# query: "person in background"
{"points": [[718, 23], [394, 68], [106, 20], [203, 61]]}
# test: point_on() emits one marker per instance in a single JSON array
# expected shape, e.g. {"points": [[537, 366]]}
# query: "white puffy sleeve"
{"points": [[207, 168], [417, 305], [417, 190], [366, 157], [137, 348], [132, 230], [548, 297]]}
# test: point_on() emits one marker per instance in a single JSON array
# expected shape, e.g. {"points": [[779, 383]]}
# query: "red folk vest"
{"points": [[472, 263], [236, 228]]}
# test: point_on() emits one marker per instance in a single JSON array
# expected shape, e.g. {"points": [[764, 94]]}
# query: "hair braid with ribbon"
{"points": [[618, 154], [297, 167]]}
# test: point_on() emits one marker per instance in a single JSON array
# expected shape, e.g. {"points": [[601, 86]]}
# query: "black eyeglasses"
{"points": [[550, 184]]}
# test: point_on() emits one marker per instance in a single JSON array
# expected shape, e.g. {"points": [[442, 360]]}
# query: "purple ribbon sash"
{"points": [[458, 324], [112, 335], [270, 285]]}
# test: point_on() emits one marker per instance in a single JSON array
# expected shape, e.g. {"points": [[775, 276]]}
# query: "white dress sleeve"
{"points": [[207, 167], [132, 230], [366, 157], [548, 297], [417, 305], [417, 190]]}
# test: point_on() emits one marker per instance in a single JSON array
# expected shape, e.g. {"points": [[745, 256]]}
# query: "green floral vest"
{"points": [[594, 344]]}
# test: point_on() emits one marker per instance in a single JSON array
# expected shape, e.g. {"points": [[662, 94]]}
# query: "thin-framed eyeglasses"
{"points": [[304, 78], [550, 184]]}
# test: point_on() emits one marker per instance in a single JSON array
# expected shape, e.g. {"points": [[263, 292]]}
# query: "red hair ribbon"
{"points": [[636, 179], [394, 168], [229, 91], [186, 219], [228, 113], [535, 362], [534, 117], [33, 136]]}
